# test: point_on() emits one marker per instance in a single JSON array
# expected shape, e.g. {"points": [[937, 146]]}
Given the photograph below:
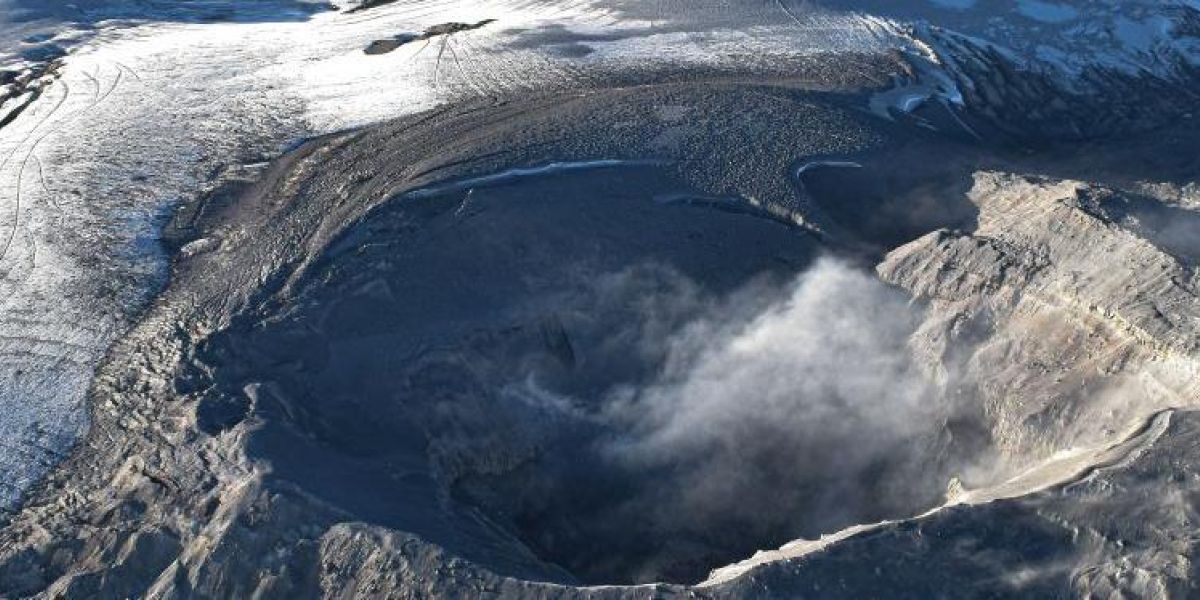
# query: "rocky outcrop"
{"points": [[1063, 320], [21, 88]]}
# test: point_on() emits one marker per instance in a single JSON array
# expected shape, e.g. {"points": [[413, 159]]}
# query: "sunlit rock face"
{"points": [[604, 298]]}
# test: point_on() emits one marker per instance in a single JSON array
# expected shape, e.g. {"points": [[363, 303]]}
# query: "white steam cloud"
{"points": [[778, 411], [804, 404]]}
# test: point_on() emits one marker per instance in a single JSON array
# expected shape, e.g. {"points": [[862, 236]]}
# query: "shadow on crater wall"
{"points": [[517, 373]]}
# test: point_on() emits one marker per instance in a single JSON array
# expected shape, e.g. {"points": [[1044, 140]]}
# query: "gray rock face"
{"points": [[1066, 320], [1031, 99], [1121, 529]]}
